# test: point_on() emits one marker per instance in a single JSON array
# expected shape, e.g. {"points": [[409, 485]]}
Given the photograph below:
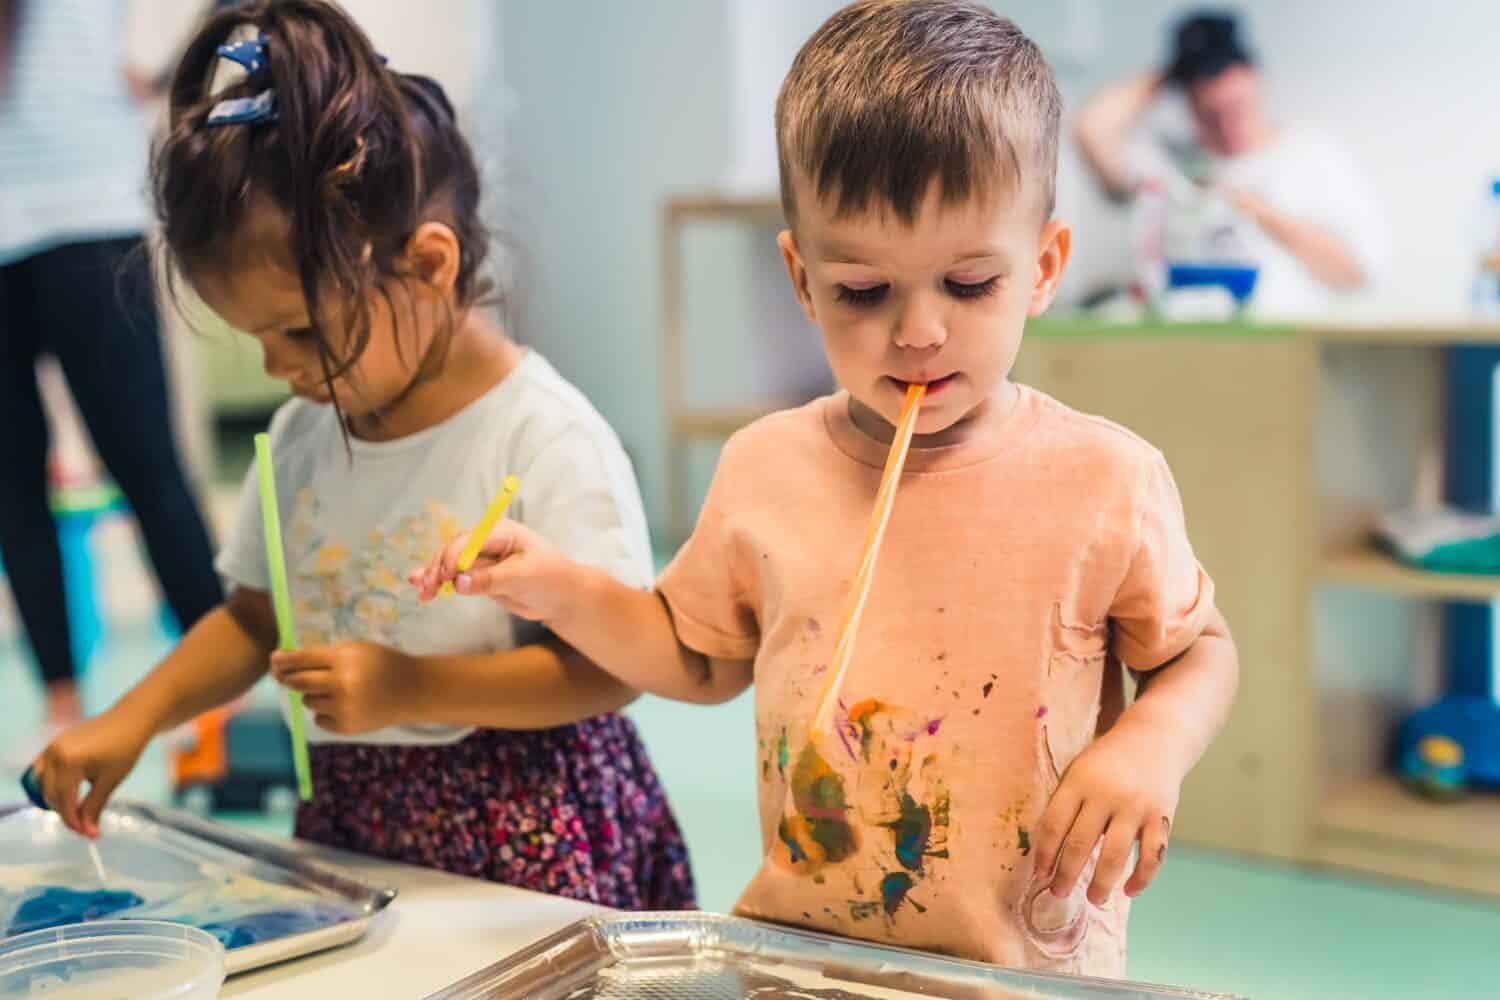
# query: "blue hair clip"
{"points": [[253, 56], [250, 53]]}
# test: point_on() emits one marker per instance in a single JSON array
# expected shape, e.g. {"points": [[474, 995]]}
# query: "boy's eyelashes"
{"points": [[861, 296], [875, 294]]}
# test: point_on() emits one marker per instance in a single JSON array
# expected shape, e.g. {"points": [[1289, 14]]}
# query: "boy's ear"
{"points": [[435, 256], [797, 271], [1053, 247]]}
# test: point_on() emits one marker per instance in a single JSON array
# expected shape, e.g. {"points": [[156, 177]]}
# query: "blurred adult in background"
{"points": [[75, 283], [1313, 225]]}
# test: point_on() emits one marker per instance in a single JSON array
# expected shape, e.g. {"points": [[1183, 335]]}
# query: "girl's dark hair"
{"points": [[1207, 43], [359, 156]]}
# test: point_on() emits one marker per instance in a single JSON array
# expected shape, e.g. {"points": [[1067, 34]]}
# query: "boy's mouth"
{"points": [[933, 386]]}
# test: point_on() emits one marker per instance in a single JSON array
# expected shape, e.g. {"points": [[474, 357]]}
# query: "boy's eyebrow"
{"points": [[835, 254]]}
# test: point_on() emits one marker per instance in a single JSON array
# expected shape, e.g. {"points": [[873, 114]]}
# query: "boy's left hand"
{"points": [[351, 687], [1123, 787]]}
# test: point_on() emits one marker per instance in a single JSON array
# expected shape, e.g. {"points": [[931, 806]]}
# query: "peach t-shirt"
{"points": [[1019, 571]]}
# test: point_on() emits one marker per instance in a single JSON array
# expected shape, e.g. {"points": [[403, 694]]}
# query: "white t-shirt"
{"points": [[352, 530], [1302, 173]]}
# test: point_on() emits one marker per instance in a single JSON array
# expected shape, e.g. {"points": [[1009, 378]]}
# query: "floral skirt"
{"points": [[575, 811]]}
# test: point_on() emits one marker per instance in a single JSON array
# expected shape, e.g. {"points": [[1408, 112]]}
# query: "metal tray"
{"points": [[198, 863], [664, 956]]}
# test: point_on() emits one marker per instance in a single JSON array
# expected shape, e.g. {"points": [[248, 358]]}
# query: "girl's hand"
{"points": [[100, 751], [517, 568], [351, 687], [1123, 788]]}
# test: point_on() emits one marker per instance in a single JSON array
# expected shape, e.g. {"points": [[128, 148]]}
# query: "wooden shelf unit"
{"points": [[1237, 416]]}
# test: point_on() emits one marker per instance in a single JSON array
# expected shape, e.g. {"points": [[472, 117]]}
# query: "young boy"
{"points": [[987, 786]]}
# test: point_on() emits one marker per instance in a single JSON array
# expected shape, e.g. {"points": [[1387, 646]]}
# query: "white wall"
{"points": [[1411, 90], [616, 105]]}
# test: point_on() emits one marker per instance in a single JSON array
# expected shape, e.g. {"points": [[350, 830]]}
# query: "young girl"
{"points": [[328, 206]]}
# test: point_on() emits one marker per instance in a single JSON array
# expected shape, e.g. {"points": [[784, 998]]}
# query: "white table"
{"points": [[440, 929]]}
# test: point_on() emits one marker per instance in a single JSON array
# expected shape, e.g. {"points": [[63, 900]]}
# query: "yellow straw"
{"points": [[492, 516]]}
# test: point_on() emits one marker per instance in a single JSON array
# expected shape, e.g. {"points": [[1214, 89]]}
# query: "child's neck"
{"points": [[981, 420], [478, 358]]}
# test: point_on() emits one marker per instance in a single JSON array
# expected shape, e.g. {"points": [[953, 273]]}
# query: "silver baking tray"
{"points": [[701, 956], [190, 870]]}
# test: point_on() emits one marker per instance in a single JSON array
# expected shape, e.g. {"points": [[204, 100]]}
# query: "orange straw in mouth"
{"points": [[885, 500]]}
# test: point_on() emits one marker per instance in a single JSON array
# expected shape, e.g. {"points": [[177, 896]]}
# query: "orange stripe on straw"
{"points": [[885, 500]]}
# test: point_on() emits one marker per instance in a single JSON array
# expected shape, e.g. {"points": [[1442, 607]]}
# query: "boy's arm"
{"points": [[1189, 699], [631, 634], [627, 631], [1124, 787]]}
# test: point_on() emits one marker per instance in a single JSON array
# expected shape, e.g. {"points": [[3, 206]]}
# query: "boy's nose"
{"points": [[920, 325]]}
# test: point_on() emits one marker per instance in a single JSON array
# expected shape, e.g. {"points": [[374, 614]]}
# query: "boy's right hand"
{"points": [[102, 752], [516, 567]]}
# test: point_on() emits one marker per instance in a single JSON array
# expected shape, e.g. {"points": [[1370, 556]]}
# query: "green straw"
{"points": [[281, 598]]}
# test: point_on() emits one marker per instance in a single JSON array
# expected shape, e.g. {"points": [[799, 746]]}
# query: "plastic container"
{"points": [[112, 960]]}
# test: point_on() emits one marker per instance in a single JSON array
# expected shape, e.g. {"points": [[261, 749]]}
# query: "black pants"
{"points": [[92, 306]]}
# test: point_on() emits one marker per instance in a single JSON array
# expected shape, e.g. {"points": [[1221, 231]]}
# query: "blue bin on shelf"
{"points": [[1237, 279]]}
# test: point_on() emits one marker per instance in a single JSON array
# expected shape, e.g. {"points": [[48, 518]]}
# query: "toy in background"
{"points": [[234, 759], [1193, 261], [1486, 293]]}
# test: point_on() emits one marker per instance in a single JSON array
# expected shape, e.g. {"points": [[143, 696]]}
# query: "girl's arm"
{"points": [[218, 660], [357, 687]]}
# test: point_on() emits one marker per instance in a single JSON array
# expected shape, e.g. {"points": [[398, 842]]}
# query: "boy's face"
{"points": [[942, 301]]}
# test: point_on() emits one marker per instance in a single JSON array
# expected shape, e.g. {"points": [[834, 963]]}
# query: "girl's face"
{"points": [[267, 303], [265, 300]]}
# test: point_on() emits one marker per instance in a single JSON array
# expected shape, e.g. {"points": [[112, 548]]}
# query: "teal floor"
{"points": [[1211, 922]]}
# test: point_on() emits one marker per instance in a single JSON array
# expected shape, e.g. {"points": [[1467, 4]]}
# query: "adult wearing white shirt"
{"points": [[1314, 226]]}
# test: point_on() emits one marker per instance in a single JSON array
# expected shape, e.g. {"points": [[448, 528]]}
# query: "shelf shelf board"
{"points": [[1371, 569], [1407, 334], [1379, 809]]}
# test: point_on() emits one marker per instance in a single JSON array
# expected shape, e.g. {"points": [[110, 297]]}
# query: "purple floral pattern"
{"points": [[575, 811]]}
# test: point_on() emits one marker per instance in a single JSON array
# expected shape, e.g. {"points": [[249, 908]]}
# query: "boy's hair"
{"points": [[889, 96], [357, 158]]}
